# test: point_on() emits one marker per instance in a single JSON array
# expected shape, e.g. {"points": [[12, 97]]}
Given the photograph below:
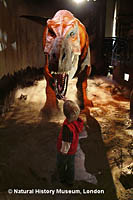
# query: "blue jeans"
{"points": [[65, 167]]}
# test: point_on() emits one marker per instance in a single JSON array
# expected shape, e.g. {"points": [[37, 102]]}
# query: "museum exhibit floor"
{"points": [[28, 145]]}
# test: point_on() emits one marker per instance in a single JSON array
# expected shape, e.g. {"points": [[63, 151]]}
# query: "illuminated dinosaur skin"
{"points": [[67, 55]]}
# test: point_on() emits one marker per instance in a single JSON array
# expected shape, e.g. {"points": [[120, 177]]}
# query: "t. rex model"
{"points": [[67, 55]]}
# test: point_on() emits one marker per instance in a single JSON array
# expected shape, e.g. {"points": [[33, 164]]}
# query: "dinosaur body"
{"points": [[67, 55]]}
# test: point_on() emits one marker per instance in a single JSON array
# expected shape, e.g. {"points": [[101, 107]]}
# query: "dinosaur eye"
{"points": [[51, 32], [72, 34]]}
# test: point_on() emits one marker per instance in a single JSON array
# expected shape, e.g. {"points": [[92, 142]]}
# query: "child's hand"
{"points": [[64, 154], [87, 127]]}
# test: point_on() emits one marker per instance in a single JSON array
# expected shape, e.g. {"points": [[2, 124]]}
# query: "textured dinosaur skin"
{"points": [[67, 55]]}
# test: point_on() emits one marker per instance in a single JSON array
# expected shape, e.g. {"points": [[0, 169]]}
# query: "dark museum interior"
{"points": [[98, 46]]}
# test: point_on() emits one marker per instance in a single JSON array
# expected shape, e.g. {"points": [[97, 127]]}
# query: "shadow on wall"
{"points": [[18, 47], [17, 51], [8, 44]]}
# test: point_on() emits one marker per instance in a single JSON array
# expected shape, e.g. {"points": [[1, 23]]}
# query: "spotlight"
{"points": [[79, 1]]}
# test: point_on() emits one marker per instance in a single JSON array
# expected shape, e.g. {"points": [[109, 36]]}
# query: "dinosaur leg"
{"points": [[51, 100], [51, 105], [81, 88]]}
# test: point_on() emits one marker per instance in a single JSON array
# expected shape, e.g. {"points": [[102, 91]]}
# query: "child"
{"points": [[67, 142]]}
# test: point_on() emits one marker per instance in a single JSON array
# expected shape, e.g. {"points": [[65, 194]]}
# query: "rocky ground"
{"points": [[28, 144]]}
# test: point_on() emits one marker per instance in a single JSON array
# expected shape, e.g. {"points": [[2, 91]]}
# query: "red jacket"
{"points": [[75, 127]]}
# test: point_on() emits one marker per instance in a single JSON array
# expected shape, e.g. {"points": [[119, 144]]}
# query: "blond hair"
{"points": [[71, 110]]}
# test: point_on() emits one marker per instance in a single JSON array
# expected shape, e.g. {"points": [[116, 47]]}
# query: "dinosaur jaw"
{"points": [[62, 76], [60, 84]]}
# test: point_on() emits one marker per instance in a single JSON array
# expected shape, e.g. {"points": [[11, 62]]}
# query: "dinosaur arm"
{"points": [[51, 102], [86, 101], [48, 76]]}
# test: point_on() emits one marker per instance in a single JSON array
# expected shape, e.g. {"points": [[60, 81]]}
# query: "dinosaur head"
{"points": [[61, 43]]}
